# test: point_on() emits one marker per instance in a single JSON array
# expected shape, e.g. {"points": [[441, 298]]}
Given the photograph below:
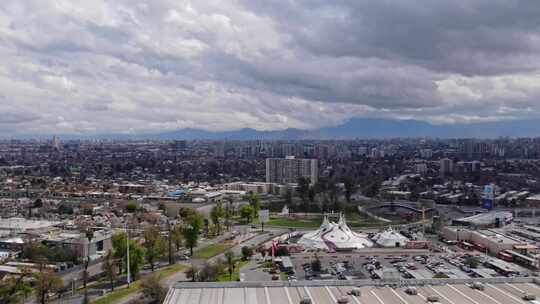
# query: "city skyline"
{"points": [[142, 67]]}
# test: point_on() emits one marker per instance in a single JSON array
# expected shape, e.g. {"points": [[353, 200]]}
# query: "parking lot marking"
{"points": [[464, 295], [309, 295], [376, 297], [421, 296], [288, 295], [330, 293], [267, 296], [533, 285], [355, 299], [399, 297], [514, 287], [505, 293], [489, 297], [442, 296]]}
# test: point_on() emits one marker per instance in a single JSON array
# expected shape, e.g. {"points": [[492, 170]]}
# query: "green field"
{"points": [[224, 277], [119, 294], [136, 286], [210, 251], [353, 220]]}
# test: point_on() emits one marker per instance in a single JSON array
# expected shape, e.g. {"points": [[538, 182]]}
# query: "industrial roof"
{"points": [[486, 218], [495, 293]]}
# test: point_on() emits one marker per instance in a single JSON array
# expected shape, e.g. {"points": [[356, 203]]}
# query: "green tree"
{"points": [[350, 188], [191, 231], [216, 214], [177, 237], [316, 264], [131, 207], [14, 288], [288, 196], [247, 252], [153, 290], [229, 257], [472, 262], [303, 191], [136, 258], [109, 268], [154, 243], [119, 242], [47, 283], [228, 213], [136, 253], [255, 202], [246, 212], [209, 272], [191, 273]]}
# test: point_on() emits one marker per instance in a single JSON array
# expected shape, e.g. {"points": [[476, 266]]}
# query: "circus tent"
{"points": [[390, 238], [334, 237]]}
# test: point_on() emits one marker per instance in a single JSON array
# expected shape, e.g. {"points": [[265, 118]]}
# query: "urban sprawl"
{"points": [[309, 221]]}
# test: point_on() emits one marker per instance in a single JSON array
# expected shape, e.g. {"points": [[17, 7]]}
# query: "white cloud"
{"points": [[148, 66]]}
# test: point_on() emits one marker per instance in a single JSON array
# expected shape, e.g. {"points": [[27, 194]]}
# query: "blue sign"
{"points": [[487, 204]]}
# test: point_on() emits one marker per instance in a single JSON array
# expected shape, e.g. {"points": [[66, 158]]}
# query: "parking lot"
{"points": [[426, 265]]}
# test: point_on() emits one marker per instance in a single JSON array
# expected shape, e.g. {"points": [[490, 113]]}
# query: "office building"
{"points": [[290, 169]]}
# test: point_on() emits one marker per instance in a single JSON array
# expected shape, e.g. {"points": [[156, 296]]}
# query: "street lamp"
{"points": [[89, 236], [127, 256]]}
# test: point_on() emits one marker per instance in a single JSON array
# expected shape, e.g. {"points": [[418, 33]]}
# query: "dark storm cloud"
{"points": [[468, 37]]}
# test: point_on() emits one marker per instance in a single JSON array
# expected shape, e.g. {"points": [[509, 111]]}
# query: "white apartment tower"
{"points": [[289, 169]]}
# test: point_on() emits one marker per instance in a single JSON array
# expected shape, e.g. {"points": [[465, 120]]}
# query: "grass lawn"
{"points": [[119, 294], [297, 223], [210, 251], [353, 220], [136, 286], [224, 277]]}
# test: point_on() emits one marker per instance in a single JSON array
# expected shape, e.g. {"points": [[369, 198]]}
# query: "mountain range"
{"points": [[357, 128]]}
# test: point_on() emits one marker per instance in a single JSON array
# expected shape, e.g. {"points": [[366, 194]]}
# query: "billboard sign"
{"points": [[264, 215], [489, 192]]}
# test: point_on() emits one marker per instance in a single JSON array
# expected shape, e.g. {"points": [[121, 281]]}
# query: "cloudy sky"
{"points": [[133, 66]]}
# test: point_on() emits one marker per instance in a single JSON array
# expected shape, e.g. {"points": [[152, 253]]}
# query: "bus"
{"points": [[505, 256], [466, 245]]}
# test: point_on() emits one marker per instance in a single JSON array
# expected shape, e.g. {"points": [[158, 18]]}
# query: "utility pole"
{"points": [[170, 243], [127, 247], [423, 222]]}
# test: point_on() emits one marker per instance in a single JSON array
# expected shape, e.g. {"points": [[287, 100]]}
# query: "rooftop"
{"points": [[328, 292]]}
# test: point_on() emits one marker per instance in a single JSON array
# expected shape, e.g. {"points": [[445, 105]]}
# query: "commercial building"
{"points": [[290, 169], [492, 240], [489, 219]]}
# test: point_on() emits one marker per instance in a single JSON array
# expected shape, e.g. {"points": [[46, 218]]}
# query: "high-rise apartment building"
{"points": [[447, 166], [289, 169]]}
